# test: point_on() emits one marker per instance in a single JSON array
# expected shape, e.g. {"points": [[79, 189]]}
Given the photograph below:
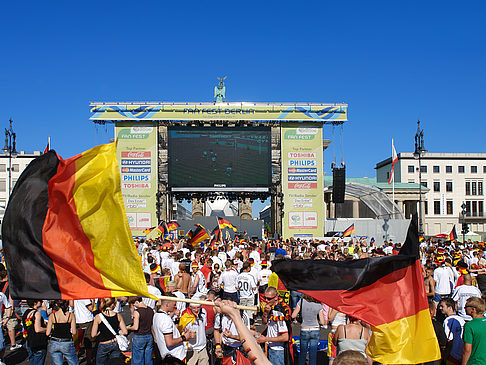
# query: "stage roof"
{"points": [[165, 111]]}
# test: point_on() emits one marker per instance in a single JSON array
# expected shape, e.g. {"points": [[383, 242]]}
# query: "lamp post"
{"points": [[419, 151], [9, 148]]}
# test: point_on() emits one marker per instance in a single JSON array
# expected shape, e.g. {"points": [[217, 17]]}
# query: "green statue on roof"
{"points": [[220, 90]]}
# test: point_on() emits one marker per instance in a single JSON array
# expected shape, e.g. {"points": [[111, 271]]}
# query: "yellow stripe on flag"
{"points": [[409, 340], [100, 209]]}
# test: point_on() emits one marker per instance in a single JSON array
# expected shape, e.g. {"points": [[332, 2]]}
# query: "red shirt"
{"points": [[210, 315], [206, 271]]}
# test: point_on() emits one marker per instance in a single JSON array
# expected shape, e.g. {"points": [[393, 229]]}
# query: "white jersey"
{"points": [[201, 284], [263, 276], [463, 293], [224, 324], [149, 302], [246, 285], [163, 325], [275, 329], [444, 280], [228, 280]]}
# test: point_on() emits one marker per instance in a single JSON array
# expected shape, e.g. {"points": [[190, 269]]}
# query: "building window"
{"points": [[3, 185], [474, 205], [424, 183], [436, 169], [480, 188], [473, 190], [460, 169], [411, 181], [484, 169], [3, 167], [481, 208], [15, 168], [411, 169], [424, 168], [436, 185], [449, 207], [468, 188], [437, 207], [449, 169], [474, 169], [426, 207], [468, 208], [448, 186]]}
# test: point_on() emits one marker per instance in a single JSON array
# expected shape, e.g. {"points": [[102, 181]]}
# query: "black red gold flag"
{"points": [[386, 292], [198, 235], [65, 231], [453, 235], [172, 226], [349, 231], [223, 223]]}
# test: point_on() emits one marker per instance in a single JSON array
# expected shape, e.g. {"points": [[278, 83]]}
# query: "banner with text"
{"points": [[137, 157], [302, 181]]}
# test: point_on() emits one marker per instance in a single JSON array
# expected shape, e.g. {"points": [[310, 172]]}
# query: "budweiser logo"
{"points": [[140, 154], [303, 185]]}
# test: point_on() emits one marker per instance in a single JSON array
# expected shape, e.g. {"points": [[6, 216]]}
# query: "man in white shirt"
{"points": [[444, 281], [247, 287], [169, 340], [228, 281], [263, 276], [149, 302], [463, 293], [198, 281], [180, 306], [197, 354]]}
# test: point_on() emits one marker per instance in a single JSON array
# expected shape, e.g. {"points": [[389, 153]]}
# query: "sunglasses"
{"points": [[267, 298]]}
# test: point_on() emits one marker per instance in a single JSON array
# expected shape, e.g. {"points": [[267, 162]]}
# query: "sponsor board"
{"points": [[302, 163], [302, 205], [135, 206], [136, 170], [136, 185], [135, 178], [302, 185], [302, 178], [303, 220], [136, 154], [301, 155], [136, 201], [297, 170], [303, 200], [131, 162]]}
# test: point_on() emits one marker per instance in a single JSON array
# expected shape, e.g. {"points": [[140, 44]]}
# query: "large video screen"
{"points": [[224, 157]]}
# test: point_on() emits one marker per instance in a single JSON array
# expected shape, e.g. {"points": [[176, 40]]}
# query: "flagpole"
{"points": [[204, 302]]}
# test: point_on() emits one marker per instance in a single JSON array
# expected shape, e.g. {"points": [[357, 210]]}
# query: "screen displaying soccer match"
{"points": [[219, 157]]}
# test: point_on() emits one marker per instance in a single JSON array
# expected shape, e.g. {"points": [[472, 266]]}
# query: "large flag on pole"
{"points": [[65, 232], [386, 292], [394, 160]]}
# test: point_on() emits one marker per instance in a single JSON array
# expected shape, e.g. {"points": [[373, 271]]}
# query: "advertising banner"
{"points": [[137, 157], [323, 113], [302, 180]]}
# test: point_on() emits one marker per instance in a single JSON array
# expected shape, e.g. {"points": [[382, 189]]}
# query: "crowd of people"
{"points": [[239, 273]]}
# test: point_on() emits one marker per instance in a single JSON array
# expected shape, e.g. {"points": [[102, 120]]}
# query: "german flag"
{"points": [[172, 226], [189, 234], [217, 234], [65, 231], [453, 235], [349, 231], [387, 292], [148, 230], [161, 230], [198, 235], [223, 223]]}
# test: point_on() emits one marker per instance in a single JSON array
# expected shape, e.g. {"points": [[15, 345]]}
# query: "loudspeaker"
{"points": [[338, 184]]}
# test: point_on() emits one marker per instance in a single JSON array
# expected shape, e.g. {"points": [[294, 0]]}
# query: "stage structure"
{"points": [[241, 151]]}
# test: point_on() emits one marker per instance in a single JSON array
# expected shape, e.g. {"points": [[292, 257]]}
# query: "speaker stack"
{"points": [[338, 184]]}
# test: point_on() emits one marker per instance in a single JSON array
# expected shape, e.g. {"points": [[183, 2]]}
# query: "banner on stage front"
{"points": [[302, 182], [137, 158]]}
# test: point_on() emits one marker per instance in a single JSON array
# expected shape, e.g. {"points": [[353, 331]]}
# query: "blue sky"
{"points": [[393, 62]]}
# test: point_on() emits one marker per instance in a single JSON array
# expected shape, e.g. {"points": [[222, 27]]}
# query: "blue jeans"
{"points": [[308, 343], [276, 357], [37, 357], [295, 297], [58, 349], [2, 341], [142, 346], [107, 351]]}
